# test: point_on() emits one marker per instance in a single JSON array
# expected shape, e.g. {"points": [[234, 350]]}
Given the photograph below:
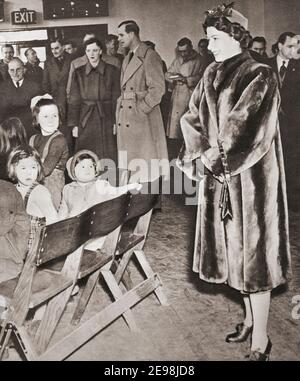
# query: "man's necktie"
{"points": [[18, 84], [282, 70], [60, 62], [130, 56]]}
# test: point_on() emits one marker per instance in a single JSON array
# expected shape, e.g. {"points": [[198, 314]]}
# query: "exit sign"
{"points": [[23, 16]]}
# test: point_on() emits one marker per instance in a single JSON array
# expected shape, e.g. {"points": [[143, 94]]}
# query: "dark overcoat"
{"points": [[14, 232], [236, 104], [92, 106], [140, 126], [16, 102], [289, 118], [34, 73], [55, 78]]}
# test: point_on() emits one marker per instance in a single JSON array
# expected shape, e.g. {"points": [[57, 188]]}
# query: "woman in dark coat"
{"points": [[94, 91], [232, 130]]}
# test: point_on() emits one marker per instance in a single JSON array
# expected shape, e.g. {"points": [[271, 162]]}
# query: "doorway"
{"points": [[76, 33], [39, 38]]}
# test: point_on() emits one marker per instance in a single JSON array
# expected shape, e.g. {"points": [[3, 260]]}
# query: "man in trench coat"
{"points": [[142, 147]]}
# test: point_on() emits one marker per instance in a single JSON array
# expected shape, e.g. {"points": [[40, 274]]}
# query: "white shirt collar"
{"points": [[280, 62], [135, 49], [20, 83]]}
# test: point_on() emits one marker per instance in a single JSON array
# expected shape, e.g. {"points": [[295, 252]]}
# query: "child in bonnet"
{"points": [[87, 188]]}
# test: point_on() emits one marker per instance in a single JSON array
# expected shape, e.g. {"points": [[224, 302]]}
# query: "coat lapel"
{"points": [[214, 79], [291, 69], [131, 67]]}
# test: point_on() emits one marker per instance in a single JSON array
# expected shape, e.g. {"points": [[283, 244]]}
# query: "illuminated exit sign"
{"points": [[23, 16]]}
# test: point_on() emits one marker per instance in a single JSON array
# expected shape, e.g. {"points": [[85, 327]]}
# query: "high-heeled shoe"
{"points": [[258, 356], [240, 335]]}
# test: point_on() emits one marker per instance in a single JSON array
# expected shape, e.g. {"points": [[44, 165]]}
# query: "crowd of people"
{"points": [[92, 105]]}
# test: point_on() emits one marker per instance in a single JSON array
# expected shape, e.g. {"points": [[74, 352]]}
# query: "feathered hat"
{"points": [[231, 14]]}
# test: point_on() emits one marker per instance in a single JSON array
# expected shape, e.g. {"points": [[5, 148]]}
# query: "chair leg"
{"points": [[85, 295], [149, 272], [126, 280], [122, 273], [4, 340], [53, 313], [122, 266], [25, 343], [117, 294]]}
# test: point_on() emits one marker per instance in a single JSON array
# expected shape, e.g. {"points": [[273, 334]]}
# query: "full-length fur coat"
{"points": [[236, 104]]}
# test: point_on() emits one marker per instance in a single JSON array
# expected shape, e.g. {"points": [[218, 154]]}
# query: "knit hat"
{"points": [[71, 163]]}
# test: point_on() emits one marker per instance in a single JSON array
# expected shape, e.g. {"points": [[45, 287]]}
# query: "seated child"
{"points": [[87, 189], [25, 168]]}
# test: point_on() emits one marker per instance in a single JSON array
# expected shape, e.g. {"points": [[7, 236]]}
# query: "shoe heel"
{"points": [[259, 356]]}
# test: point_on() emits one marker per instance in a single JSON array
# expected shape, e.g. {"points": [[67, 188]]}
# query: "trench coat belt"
{"points": [[132, 95], [89, 108]]}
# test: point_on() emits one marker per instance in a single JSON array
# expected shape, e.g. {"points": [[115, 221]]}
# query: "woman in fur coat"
{"points": [[232, 131]]}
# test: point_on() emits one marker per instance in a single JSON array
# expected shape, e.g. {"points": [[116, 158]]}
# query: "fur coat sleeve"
{"points": [[249, 129]]}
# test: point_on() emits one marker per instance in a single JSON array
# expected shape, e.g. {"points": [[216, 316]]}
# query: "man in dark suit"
{"points": [[259, 45], [111, 50], [16, 94], [287, 70], [56, 73], [257, 50], [7, 51], [33, 70]]}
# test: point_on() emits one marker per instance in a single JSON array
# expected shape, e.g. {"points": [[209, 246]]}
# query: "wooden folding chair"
{"points": [[131, 244], [120, 307], [38, 284]]}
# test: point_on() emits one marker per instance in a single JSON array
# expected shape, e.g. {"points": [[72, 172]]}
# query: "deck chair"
{"points": [[38, 284], [130, 246]]}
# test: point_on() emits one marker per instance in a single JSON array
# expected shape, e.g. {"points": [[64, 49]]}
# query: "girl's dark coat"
{"points": [[236, 103]]}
